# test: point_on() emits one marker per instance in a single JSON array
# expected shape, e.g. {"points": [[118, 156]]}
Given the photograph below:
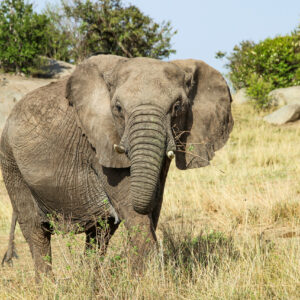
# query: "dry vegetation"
{"points": [[228, 231]]}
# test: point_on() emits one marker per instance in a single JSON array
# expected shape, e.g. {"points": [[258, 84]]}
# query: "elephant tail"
{"points": [[11, 253]]}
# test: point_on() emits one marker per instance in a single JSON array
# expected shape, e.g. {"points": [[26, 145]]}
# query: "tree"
{"points": [[108, 26], [59, 34], [75, 31], [22, 35]]}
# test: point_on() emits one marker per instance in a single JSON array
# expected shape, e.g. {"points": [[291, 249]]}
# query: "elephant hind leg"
{"points": [[29, 216], [97, 237], [11, 253], [39, 243]]}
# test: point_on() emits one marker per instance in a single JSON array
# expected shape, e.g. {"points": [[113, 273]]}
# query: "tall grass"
{"points": [[227, 231]]}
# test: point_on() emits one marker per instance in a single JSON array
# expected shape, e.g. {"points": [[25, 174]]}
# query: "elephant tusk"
{"points": [[171, 155], [119, 149]]}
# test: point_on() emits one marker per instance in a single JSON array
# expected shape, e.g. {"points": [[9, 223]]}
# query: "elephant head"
{"points": [[138, 112]]}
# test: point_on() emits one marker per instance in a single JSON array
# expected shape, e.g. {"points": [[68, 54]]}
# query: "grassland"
{"points": [[227, 231]]}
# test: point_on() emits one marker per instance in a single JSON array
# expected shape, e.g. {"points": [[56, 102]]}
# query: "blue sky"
{"points": [[204, 26]]}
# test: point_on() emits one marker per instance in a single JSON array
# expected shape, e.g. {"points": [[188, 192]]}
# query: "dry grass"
{"points": [[228, 231]]}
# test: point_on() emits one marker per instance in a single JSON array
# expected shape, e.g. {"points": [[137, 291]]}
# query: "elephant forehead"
{"points": [[149, 81], [153, 85], [149, 91], [147, 70]]}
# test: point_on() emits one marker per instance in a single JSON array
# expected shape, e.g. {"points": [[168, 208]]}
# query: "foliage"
{"points": [[75, 31], [267, 65], [108, 26], [60, 35], [258, 90], [22, 35]]}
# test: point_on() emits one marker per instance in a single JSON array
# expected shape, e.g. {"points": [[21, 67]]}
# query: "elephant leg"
{"points": [[29, 217], [97, 237], [11, 252], [142, 238], [39, 240]]}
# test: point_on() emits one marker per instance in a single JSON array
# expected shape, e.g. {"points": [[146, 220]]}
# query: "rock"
{"points": [[57, 69], [285, 96], [285, 114], [240, 97]]}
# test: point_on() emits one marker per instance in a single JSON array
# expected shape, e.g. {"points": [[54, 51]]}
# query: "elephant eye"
{"points": [[118, 107], [176, 107]]}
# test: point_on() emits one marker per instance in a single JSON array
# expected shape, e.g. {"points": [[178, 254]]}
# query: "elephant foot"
{"points": [[46, 273], [141, 250], [138, 264], [8, 257]]}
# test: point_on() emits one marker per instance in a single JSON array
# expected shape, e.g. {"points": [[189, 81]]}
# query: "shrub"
{"points": [[267, 65], [76, 30], [258, 90], [60, 35], [22, 35]]}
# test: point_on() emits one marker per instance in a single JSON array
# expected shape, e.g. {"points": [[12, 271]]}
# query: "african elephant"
{"points": [[98, 144]]}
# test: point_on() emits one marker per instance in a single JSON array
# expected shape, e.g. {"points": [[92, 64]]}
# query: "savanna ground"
{"points": [[227, 231]]}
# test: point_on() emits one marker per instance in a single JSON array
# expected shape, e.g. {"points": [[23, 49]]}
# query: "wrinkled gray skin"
{"points": [[58, 156]]}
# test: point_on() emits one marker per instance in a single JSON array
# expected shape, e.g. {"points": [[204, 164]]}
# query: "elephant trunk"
{"points": [[147, 144]]}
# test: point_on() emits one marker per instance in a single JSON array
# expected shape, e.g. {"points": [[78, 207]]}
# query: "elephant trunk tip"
{"points": [[142, 211]]}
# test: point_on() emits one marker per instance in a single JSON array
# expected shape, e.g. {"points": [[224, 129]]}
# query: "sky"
{"points": [[207, 26]]}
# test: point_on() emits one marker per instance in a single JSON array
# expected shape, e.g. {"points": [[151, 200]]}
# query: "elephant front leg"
{"points": [[142, 239]]}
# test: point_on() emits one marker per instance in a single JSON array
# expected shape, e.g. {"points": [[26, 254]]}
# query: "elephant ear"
{"points": [[88, 90], [208, 121]]}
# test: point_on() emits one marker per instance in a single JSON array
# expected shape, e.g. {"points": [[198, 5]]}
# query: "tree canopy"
{"points": [[22, 35], [77, 29], [110, 27]]}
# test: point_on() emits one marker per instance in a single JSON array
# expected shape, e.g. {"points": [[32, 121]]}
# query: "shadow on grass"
{"points": [[186, 251]]}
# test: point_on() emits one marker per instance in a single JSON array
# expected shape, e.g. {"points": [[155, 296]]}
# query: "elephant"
{"points": [[97, 145]]}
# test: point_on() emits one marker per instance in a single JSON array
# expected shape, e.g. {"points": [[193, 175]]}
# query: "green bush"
{"points": [[75, 30], [267, 65], [22, 35], [109, 26], [258, 90], [59, 35]]}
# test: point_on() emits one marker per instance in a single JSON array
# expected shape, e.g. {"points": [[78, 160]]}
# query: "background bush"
{"points": [[267, 65], [76, 29], [22, 35], [59, 33], [108, 26]]}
